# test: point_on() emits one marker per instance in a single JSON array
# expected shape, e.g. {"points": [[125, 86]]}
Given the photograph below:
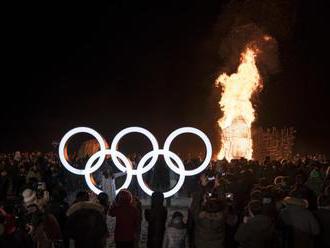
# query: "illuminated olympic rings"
{"points": [[124, 164]]}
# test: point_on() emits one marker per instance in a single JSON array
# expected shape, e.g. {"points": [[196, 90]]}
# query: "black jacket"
{"points": [[258, 232]]}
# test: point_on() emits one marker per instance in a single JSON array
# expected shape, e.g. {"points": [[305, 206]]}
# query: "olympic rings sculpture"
{"points": [[124, 164]]}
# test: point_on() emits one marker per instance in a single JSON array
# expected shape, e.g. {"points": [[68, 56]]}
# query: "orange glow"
{"points": [[267, 37], [93, 180], [238, 112]]}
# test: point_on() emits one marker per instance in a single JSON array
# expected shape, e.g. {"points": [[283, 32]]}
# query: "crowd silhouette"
{"points": [[239, 203]]}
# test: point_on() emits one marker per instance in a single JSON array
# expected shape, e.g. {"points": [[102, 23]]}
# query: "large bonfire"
{"points": [[238, 112]]}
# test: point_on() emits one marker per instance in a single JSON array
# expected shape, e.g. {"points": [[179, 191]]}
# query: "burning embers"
{"points": [[238, 112]]}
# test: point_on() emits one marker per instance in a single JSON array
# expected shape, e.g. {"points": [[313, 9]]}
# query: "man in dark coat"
{"points": [[257, 230], [209, 226], [195, 206], [156, 218], [300, 224]]}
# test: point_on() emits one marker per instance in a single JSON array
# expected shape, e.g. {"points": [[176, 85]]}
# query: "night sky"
{"points": [[153, 64]]}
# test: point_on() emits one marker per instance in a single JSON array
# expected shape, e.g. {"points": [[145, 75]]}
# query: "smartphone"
{"points": [[230, 196]]}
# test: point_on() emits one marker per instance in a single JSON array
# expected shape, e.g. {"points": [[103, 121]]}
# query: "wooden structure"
{"points": [[273, 142]]}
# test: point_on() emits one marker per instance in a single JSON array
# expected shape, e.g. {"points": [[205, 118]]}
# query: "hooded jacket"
{"points": [[127, 217], [176, 235], [156, 218], [86, 225], [258, 232], [210, 225], [299, 223]]}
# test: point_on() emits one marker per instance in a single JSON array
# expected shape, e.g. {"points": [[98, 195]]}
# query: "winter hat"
{"points": [[314, 174], [124, 197], [177, 217], [29, 196]]}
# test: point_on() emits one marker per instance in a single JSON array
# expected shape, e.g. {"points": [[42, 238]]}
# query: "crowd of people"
{"points": [[233, 204]]}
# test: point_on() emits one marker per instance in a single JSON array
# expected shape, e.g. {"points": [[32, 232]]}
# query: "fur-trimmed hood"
{"points": [[289, 200], [85, 205]]}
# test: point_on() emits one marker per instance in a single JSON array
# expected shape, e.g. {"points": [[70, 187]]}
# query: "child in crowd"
{"points": [[176, 235]]}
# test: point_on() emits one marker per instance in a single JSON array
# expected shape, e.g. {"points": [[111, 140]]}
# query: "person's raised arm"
{"points": [[119, 174]]}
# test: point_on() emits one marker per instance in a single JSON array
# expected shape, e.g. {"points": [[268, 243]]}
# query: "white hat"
{"points": [[29, 196]]}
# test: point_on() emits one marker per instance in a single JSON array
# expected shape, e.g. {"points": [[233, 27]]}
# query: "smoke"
{"points": [[257, 24], [250, 35], [247, 23]]}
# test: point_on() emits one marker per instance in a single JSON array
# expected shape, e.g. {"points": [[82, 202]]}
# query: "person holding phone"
{"points": [[257, 229], [209, 228], [43, 227]]}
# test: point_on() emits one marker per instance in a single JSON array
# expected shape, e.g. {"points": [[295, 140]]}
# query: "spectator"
{"points": [[138, 205], [103, 200], [210, 224], [127, 220], [86, 224], [33, 175], [176, 234], [257, 230], [314, 181], [42, 226], [156, 218], [299, 224]]}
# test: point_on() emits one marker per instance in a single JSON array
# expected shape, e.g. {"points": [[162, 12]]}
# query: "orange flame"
{"points": [[237, 90]]}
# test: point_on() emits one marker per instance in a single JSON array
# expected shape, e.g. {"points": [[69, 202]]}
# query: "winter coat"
{"points": [[299, 224], [209, 230], [176, 236], [127, 218], [323, 216], [86, 225], [156, 217], [47, 233], [258, 232]]}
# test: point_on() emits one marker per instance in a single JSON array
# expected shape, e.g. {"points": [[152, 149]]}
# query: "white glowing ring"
{"points": [[128, 170], [141, 168], [208, 146], [67, 136], [143, 131], [170, 154]]}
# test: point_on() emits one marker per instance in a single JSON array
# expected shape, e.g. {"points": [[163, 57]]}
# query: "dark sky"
{"points": [[149, 63]]}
